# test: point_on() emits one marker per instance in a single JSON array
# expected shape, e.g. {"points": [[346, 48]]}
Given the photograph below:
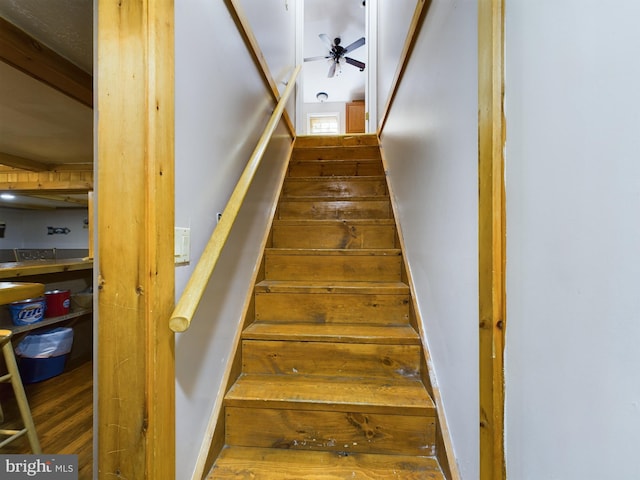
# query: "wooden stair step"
{"points": [[354, 140], [283, 464], [330, 430], [335, 187], [306, 286], [383, 360], [336, 153], [328, 168], [333, 264], [321, 208], [311, 332], [363, 233], [321, 303], [314, 392]]}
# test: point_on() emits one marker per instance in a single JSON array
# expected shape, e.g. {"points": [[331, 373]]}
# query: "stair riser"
{"points": [[330, 359], [334, 188], [337, 168], [341, 235], [332, 308], [334, 210], [336, 153], [285, 464], [362, 268], [330, 431]]}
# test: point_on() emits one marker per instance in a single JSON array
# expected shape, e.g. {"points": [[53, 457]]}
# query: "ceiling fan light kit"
{"points": [[337, 53]]}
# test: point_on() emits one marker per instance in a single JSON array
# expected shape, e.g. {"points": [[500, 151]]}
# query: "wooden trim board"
{"points": [[134, 258], [492, 237]]}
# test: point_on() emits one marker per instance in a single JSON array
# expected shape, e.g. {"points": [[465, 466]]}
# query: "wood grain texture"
{"points": [[382, 265], [332, 362], [334, 234], [345, 333], [25, 53], [351, 431], [328, 168], [333, 141], [402, 396], [322, 209], [491, 237], [335, 187], [336, 153], [329, 358], [62, 410], [284, 464], [135, 212]]}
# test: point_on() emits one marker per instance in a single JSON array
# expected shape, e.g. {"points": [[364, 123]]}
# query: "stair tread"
{"points": [[339, 333], [285, 464], [334, 221], [332, 141], [313, 392], [320, 198], [304, 286], [333, 178], [336, 251]]}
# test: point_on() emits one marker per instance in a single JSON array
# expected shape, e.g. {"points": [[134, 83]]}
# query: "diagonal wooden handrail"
{"points": [[190, 298]]}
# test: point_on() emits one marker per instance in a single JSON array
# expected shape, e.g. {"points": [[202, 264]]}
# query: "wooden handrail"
{"points": [[190, 298]]}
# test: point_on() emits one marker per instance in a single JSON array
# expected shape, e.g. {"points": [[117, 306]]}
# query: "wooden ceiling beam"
{"points": [[56, 183], [83, 202], [21, 51], [22, 163]]}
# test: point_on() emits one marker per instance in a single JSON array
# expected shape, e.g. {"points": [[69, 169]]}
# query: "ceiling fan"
{"points": [[337, 52]]}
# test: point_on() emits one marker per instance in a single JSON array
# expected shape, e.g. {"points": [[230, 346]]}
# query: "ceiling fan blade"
{"points": [[355, 63], [326, 40], [357, 44], [332, 69], [313, 59]]}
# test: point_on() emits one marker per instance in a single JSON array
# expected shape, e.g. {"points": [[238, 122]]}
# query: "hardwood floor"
{"points": [[62, 410]]}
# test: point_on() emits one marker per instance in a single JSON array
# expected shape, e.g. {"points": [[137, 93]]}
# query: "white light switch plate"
{"points": [[182, 245]]}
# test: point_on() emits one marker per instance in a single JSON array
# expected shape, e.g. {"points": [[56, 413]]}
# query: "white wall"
{"points": [[28, 228], [573, 239], [430, 142], [394, 18], [222, 106], [273, 24], [324, 107]]}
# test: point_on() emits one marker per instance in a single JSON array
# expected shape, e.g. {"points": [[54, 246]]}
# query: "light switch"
{"points": [[182, 244]]}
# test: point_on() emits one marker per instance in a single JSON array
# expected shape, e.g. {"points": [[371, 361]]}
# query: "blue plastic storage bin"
{"points": [[43, 355]]}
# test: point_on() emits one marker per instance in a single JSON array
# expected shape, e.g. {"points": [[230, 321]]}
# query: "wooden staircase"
{"points": [[333, 380]]}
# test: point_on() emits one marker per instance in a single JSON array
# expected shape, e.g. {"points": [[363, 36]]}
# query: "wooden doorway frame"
{"points": [[491, 237], [136, 408], [135, 424]]}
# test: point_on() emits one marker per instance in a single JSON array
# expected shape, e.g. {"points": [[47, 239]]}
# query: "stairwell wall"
{"points": [[573, 236], [431, 146], [222, 106]]}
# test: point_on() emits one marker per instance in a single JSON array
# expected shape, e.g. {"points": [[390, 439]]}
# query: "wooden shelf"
{"points": [[47, 321], [13, 270]]}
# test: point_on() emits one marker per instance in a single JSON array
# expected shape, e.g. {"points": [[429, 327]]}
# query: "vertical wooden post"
{"points": [[491, 236], [135, 220]]}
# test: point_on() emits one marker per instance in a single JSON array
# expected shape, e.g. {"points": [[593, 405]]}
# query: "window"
{"points": [[323, 124]]}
